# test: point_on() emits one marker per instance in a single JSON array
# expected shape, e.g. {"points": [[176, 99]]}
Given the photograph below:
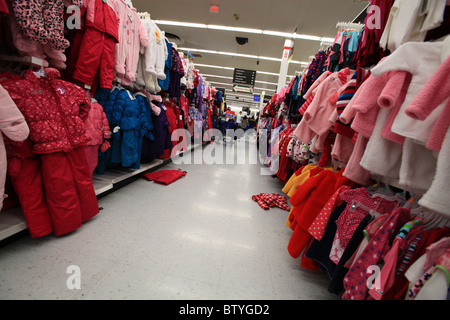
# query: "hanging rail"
{"points": [[349, 25]]}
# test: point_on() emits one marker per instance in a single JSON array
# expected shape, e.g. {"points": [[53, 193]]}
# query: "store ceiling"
{"points": [[308, 17]]}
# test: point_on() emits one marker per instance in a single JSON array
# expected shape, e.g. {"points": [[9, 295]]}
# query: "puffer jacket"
{"points": [[97, 126], [145, 116], [107, 98], [130, 128], [54, 109]]}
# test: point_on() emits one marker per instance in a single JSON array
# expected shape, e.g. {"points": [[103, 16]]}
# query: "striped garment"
{"points": [[343, 100], [404, 264]]}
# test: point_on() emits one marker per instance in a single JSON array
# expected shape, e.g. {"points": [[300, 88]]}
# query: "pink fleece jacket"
{"points": [[315, 120], [384, 91], [308, 96], [435, 92]]}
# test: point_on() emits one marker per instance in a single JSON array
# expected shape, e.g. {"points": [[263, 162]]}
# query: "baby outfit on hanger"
{"points": [[355, 281], [429, 276], [132, 36], [97, 50], [359, 204]]}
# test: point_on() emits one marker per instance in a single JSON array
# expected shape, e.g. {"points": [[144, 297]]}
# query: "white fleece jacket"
{"points": [[437, 198], [421, 59], [156, 53]]}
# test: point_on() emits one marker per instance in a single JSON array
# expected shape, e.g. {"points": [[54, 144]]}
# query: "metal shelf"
{"points": [[12, 220]]}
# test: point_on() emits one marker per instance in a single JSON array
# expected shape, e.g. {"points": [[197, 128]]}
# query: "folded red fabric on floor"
{"points": [[164, 176], [267, 200]]}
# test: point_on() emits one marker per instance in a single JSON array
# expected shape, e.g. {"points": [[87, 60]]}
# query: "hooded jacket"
{"points": [[54, 109]]}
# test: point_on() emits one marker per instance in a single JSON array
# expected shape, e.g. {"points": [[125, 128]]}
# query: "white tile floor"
{"points": [[201, 237]]}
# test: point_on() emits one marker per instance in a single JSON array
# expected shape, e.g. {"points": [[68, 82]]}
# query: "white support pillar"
{"points": [[261, 102], [287, 50]]}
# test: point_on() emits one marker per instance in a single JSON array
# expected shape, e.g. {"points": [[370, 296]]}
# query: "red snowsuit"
{"points": [[98, 48], [54, 110]]}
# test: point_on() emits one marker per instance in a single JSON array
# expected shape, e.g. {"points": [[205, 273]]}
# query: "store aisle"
{"points": [[201, 237]]}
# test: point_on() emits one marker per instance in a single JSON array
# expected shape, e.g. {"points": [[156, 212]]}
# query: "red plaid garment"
{"points": [[267, 200]]}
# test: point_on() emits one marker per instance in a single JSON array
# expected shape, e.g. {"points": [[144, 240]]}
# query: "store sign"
{"points": [[242, 89], [257, 98], [245, 77]]}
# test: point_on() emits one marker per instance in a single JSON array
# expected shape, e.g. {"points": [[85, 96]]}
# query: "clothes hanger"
{"points": [[372, 212], [430, 218], [407, 227], [41, 72]]}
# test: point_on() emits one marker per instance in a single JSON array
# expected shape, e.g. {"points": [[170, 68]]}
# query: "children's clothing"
{"points": [[14, 127]]}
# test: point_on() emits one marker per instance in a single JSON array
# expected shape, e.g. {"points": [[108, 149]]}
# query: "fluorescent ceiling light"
{"points": [[268, 73], [269, 58], [278, 34], [299, 62], [230, 84], [216, 76], [229, 68], [324, 39], [224, 77], [245, 30], [237, 29], [265, 89], [274, 84], [307, 37], [181, 24], [221, 83], [251, 56], [211, 66], [241, 55]]}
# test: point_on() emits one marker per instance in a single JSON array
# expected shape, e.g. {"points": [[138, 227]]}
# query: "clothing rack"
{"points": [[349, 25], [324, 44], [31, 61], [144, 15]]}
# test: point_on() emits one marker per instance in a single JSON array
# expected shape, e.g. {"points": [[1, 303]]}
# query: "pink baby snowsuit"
{"points": [[132, 35]]}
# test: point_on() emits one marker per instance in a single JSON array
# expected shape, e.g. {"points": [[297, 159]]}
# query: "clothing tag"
{"points": [[181, 117]]}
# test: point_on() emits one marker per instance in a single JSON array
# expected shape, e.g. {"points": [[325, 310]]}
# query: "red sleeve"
{"points": [[306, 188]]}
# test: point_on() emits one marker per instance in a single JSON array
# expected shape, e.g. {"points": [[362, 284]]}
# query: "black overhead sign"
{"points": [[242, 76]]}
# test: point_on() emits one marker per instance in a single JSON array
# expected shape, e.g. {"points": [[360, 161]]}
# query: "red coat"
{"points": [[101, 16], [97, 126], [307, 201], [54, 109]]}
